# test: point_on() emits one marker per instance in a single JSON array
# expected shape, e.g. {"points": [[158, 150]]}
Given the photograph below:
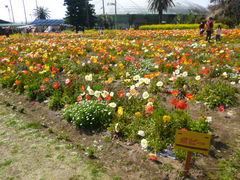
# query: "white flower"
{"points": [[150, 104], [177, 71], [209, 119], [147, 81], [116, 128], [144, 143], [233, 83], [132, 87], [97, 94], [127, 74], [198, 78], [225, 75], [141, 133], [113, 105], [91, 92], [141, 80], [137, 84], [104, 93], [159, 84], [185, 74], [111, 94], [128, 94], [156, 66], [88, 77], [145, 95], [83, 64], [136, 78]]}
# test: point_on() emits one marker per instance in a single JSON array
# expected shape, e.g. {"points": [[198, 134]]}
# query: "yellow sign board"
{"points": [[193, 141]]}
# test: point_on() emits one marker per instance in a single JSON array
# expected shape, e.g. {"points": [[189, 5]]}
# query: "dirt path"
{"points": [[27, 153]]}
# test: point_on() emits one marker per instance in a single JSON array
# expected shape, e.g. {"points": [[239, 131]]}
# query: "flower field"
{"points": [[139, 85]]}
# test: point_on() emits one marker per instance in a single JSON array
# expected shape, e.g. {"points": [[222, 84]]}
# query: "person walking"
{"points": [[209, 28], [218, 33]]}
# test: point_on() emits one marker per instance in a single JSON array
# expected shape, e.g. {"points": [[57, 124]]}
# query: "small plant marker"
{"points": [[192, 142]]}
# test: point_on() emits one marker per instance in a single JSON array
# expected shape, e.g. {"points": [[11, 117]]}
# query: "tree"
{"points": [[160, 6], [41, 13], [80, 14], [227, 11]]}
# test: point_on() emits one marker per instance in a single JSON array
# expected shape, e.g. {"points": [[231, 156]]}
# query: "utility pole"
{"points": [[24, 12], [36, 4], [103, 7], [115, 14], [6, 6], [10, 1]]}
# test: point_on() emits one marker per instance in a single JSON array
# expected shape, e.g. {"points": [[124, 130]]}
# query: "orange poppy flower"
{"points": [[56, 85], [18, 82], [175, 92]]}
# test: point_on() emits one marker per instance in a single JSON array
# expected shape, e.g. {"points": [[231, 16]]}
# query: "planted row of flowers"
{"points": [[137, 84]]}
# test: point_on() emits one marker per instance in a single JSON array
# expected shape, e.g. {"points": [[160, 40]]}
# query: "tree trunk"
{"points": [[160, 13]]}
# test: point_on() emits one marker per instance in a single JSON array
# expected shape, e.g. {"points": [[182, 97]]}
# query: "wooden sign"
{"points": [[193, 141]]}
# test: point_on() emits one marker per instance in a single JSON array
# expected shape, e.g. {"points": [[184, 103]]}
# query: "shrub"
{"points": [[217, 94], [56, 102], [89, 114]]}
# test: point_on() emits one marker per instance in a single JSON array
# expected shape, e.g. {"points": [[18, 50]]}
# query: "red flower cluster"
{"points": [[179, 104]]}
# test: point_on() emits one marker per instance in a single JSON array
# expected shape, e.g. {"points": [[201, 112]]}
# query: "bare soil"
{"points": [[122, 160]]}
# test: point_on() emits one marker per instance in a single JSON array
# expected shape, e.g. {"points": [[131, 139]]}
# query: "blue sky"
{"points": [[57, 10]]}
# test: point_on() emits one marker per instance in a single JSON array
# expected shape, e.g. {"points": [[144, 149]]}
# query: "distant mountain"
{"points": [[141, 7]]}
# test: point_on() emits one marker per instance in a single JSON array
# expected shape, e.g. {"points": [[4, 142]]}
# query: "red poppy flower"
{"points": [[68, 82], [149, 109], [121, 93], [182, 105], [42, 87], [221, 109], [88, 97], [174, 101], [184, 129], [105, 68], [108, 97], [56, 85]]}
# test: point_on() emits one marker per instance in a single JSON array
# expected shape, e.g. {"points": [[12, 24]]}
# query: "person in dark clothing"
{"points": [[209, 28], [7, 31], [202, 28]]}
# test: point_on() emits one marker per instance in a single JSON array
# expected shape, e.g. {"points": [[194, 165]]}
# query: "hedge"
{"points": [[175, 26]]}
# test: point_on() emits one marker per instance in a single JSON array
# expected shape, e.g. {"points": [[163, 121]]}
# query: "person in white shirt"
{"points": [[218, 33]]}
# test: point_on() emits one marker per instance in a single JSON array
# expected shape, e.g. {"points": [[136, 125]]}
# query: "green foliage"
{"points": [[41, 13], [217, 94], [56, 102], [175, 26], [33, 92], [78, 15], [229, 169], [89, 114]]}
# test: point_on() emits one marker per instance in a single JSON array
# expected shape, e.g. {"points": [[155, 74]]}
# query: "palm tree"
{"points": [[160, 6], [41, 13]]}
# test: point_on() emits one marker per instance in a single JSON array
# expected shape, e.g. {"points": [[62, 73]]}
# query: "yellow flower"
{"points": [[138, 114], [120, 111], [166, 119], [121, 66]]}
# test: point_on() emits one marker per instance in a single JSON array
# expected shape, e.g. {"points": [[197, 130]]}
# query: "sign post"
{"points": [[192, 142]]}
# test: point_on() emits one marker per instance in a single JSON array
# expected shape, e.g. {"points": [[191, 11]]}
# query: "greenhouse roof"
{"points": [[47, 22]]}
